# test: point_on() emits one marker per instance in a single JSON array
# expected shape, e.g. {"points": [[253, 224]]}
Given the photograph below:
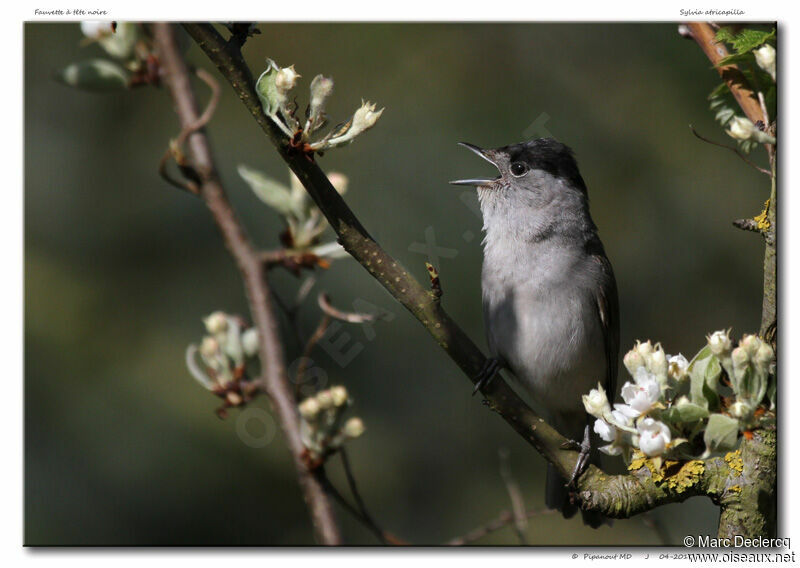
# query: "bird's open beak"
{"points": [[486, 155]]}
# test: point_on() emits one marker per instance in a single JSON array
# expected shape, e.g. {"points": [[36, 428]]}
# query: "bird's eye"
{"points": [[519, 169]]}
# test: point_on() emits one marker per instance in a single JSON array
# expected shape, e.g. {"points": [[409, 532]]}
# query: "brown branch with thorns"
{"points": [[176, 76]]}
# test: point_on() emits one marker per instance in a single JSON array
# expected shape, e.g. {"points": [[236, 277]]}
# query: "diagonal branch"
{"points": [[177, 78], [704, 35]]}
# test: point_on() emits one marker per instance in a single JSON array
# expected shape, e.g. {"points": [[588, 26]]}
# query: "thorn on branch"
{"points": [[436, 285]]}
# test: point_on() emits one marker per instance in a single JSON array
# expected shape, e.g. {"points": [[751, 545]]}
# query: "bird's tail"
{"points": [[557, 497]]}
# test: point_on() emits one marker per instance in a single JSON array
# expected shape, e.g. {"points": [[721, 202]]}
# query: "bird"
{"points": [[550, 303]]}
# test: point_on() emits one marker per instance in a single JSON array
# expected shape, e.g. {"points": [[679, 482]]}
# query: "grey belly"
{"points": [[552, 343]]}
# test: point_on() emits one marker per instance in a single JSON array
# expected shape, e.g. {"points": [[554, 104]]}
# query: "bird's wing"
{"points": [[608, 310]]}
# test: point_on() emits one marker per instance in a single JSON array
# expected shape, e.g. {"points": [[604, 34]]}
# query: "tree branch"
{"points": [[704, 35], [176, 76]]}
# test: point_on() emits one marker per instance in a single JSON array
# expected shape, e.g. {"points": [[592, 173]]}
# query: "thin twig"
{"points": [[382, 536], [351, 482], [174, 150], [176, 76], [324, 302], [302, 366], [504, 519], [732, 149], [747, 225], [515, 495]]}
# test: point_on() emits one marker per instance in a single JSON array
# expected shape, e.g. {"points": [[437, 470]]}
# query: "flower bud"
{"points": [[739, 409], [740, 357], [741, 128], [765, 58], [596, 402], [633, 360], [657, 363], [250, 342], [751, 344], [764, 355], [353, 428], [209, 347], [285, 79], [644, 349], [338, 395], [321, 89], [719, 342], [309, 408], [216, 323], [324, 399]]}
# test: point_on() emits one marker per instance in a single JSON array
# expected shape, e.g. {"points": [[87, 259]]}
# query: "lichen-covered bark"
{"points": [[769, 311], [748, 500]]}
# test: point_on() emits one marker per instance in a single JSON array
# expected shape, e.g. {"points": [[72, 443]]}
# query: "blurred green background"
{"points": [[123, 447]]}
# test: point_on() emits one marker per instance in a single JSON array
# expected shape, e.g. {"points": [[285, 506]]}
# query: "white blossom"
{"points": [[606, 431], [643, 394], [96, 29], [678, 367], [654, 436]]}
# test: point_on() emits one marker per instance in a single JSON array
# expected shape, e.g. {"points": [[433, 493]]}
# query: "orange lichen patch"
{"points": [[686, 475], [734, 461], [761, 219], [678, 476]]}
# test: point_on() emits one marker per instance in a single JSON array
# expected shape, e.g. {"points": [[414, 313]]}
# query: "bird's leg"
{"points": [[490, 368], [584, 450]]}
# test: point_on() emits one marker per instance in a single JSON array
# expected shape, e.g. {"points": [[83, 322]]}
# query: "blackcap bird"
{"points": [[549, 295]]}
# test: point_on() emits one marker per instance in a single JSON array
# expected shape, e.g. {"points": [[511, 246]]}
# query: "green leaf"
{"points": [[704, 373], [745, 40], [686, 412], [271, 192], [722, 434], [271, 99], [99, 75], [736, 58]]}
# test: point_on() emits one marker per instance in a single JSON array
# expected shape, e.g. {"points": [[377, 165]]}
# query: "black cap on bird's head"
{"points": [[518, 160]]}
